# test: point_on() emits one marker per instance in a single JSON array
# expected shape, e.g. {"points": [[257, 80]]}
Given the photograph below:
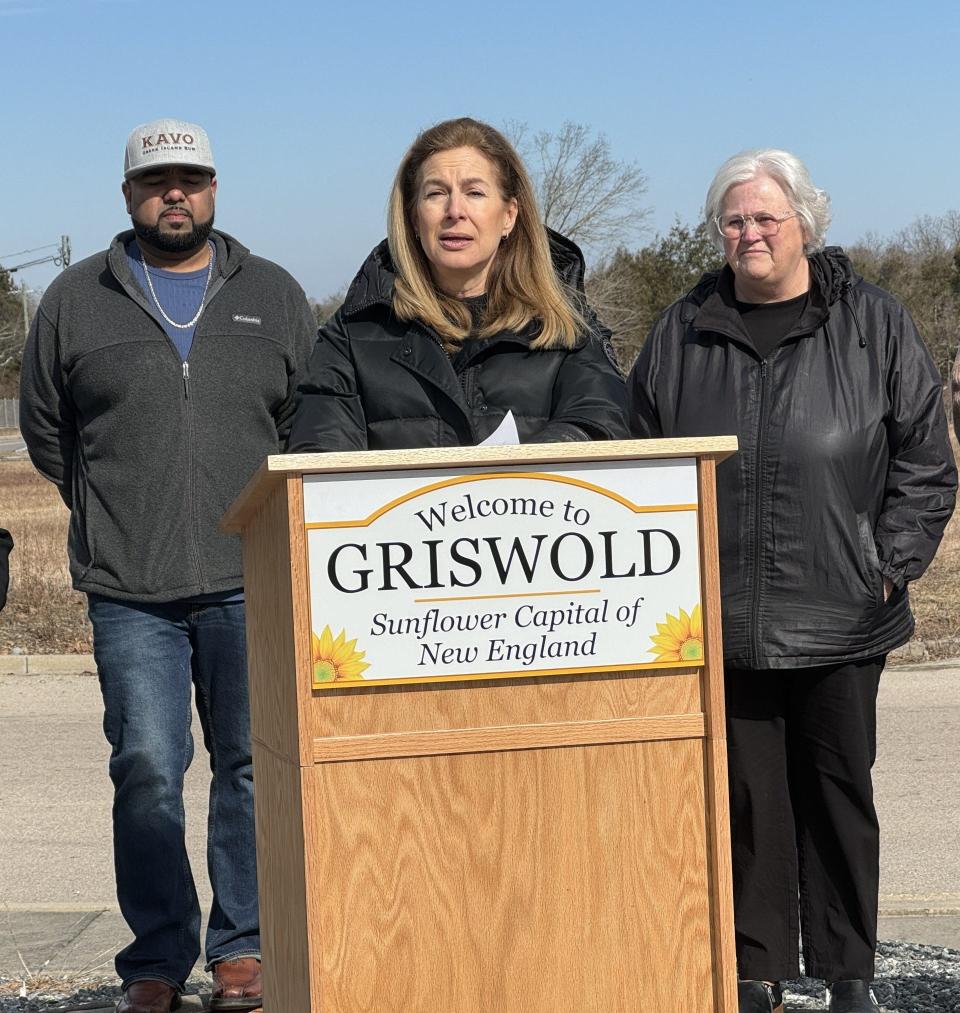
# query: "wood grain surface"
{"points": [[286, 940], [485, 740], [278, 649], [271, 658], [545, 845], [595, 697], [543, 881], [717, 797]]}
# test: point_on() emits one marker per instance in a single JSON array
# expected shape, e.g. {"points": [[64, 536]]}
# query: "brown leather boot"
{"points": [[236, 985], [149, 996]]}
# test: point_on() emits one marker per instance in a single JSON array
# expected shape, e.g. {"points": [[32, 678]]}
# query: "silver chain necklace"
{"points": [[173, 323]]}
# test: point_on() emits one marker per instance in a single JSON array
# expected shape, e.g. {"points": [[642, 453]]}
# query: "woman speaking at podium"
{"points": [[836, 500], [469, 310]]}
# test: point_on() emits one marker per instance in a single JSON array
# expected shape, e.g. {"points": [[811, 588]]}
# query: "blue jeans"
{"points": [[148, 656]]}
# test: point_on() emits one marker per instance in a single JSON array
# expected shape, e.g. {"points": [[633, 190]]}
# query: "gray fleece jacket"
{"points": [[148, 451]]}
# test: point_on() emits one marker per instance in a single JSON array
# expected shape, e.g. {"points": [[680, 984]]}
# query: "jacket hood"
{"points": [[831, 275], [568, 260], [373, 283]]}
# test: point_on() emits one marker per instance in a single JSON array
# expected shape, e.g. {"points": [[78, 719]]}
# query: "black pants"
{"points": [[801, 745]]}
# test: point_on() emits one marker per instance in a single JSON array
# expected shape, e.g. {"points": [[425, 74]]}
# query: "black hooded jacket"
{"points": [[376, 382], [6, 546], [844, 474]]}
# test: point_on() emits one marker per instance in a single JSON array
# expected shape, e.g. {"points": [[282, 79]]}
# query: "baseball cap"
{"points": [[167, 142]]}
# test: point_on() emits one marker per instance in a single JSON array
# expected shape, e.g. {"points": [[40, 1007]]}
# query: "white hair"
{"points": [[811, 204]]}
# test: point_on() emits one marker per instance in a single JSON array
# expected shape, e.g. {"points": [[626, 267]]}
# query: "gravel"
{"points": [[911, 978], [92, 994]]}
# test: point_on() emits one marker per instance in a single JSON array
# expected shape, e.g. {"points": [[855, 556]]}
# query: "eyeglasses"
{"points": [[732, 226]]}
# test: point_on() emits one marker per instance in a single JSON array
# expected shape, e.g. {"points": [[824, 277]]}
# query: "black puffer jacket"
{"points": [[844, 473], [376, 382]]}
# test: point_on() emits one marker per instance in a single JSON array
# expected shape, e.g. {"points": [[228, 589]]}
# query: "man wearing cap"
{"points": [[157, 376]]}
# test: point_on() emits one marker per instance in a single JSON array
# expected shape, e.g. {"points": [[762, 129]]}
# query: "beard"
{"points": [[173, 242]]}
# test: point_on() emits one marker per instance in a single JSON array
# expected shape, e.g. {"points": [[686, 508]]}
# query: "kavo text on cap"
{"points": [[167, 142]]}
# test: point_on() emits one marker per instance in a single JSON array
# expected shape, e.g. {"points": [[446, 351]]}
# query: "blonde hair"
{"points": [[522, 285]]}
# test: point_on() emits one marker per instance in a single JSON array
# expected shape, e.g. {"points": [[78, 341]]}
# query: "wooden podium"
{"points": [[519, 844]]}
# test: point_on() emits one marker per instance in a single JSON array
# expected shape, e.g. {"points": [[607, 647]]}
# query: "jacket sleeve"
{"points": [[329, 414], [6, 545], [955, 393], [303, 328], [643, 415], [589, 400], [921, 480], [47, 418]]}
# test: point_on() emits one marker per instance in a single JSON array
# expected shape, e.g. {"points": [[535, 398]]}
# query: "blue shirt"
{"points": [[178, 292]]}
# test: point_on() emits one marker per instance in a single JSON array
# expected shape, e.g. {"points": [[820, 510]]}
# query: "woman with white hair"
{"points": [[837, 499]]}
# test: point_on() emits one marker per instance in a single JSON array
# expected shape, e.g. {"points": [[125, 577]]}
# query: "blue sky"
{"points": [[310, 106]]}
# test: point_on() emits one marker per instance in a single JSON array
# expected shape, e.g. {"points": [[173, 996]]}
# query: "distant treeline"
{"points": [[919, 265], [11, 335]]}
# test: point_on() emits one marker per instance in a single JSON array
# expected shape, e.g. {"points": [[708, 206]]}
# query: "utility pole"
{"points": [[61, 258]]}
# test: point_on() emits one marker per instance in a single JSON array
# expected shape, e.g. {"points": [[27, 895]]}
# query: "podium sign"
{"points": [[436, 576], [489, 750]]}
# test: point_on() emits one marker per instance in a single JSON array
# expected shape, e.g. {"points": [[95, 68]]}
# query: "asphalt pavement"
{"points": [[11, 444], [58, 912]]}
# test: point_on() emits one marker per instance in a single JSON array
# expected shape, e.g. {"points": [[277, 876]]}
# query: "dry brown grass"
{"points": [[44, 615], [935, 597]]}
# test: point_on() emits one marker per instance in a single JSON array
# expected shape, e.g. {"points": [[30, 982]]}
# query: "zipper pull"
{"points": [[186, 377]]}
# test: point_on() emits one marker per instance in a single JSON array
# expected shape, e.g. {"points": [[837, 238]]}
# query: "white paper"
{"points": [[505, 433]]}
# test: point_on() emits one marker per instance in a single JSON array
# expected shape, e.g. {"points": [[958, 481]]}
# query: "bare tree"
{"points": [[920, 265], [612, 294], [583, 191], [11, 352], [11, 345], [631, 289], [12, 333], [324, 309]]}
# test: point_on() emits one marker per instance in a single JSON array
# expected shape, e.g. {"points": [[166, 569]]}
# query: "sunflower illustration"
{"points": [[336, 660], [679, 638]]}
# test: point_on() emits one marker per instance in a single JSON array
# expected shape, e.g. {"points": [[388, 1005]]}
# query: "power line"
{"points": [[61, 258], [22, 253]]}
